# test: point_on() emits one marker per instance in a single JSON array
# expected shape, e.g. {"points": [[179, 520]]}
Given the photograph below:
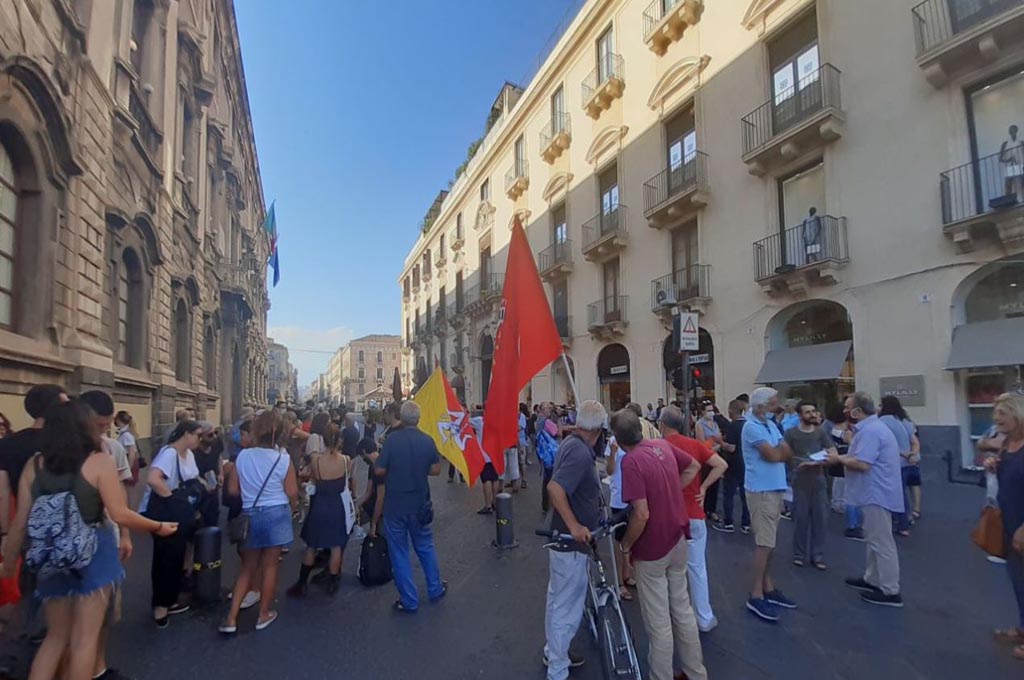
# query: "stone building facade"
{"points": [[365, 365], [836, 188], [282, 384], [133, 258]]}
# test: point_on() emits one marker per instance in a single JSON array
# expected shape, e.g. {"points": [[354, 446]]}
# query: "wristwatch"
{"points": [[623, 549]]}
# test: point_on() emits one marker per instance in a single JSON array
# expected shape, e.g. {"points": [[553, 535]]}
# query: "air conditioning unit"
{"points": [[666, 297]]}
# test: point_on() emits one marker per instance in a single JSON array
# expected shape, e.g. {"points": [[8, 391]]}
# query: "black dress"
{"points": [[326, 525]]}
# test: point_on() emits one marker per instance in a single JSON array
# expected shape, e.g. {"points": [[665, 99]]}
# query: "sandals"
{"points": [[624, 594], [486, 510], [798, 563], [1015, 635], [260, 625], [630, 582], [227, 630]]}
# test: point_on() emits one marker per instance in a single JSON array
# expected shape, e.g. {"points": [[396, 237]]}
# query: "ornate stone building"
{"points": [[131, 253]]}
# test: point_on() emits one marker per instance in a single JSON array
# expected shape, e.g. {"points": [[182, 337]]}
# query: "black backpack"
{"points": [[374, 562]]}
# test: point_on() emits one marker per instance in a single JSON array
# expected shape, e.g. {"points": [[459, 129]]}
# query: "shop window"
{"points": [[997, 135], [613, 373]]}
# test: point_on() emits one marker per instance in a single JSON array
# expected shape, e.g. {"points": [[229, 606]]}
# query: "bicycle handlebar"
{"points": [[597, 534]]}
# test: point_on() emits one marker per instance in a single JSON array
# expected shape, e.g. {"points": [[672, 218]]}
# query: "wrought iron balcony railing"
{"points": [[682, 285], [610, 310], [557, 253], [610, 66], [938, 21], [981, 186], [815, 92], [800, 247], [692, 173], [603, 225]]}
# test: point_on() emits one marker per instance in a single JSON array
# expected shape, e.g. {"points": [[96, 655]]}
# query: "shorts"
{"points": [[511, 464], [270, 527], [765, 510], [104, 570], [912, 475], [620, 533], [488, 474]]}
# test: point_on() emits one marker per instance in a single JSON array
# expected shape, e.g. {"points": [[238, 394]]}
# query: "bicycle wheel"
{"points": [[617, 654]]}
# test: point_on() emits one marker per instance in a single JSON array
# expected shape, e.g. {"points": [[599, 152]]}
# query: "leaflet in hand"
{"points": [[819, 457]]}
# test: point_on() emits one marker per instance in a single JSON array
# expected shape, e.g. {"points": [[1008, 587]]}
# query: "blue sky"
{"points": [[362, 111]]}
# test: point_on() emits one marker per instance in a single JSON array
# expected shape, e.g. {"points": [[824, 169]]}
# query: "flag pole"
{"points": [[572, 381]]}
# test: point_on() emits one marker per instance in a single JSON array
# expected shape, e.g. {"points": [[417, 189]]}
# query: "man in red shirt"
{"points": [[653, 476], [672, 423]]}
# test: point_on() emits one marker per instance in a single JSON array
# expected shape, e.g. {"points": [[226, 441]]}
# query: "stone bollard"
{"points": [[505, 532]]}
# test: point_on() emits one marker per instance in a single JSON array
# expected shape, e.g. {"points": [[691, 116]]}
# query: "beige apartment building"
{"points": [[836, 187], [131, 254], [363, 370], [282, 383]]}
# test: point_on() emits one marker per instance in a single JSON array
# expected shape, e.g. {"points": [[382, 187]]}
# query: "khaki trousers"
{"points": [[883, 562], [668, 615]]}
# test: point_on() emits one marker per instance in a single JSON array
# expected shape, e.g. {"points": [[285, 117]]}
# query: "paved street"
{"points": [[491, 623]]}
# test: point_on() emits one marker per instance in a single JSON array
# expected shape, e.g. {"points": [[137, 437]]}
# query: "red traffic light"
{"points": [[695, 372]]}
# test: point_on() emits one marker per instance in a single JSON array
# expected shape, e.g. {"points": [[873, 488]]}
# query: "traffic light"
{"points": [[695, 374], [677, 378]]}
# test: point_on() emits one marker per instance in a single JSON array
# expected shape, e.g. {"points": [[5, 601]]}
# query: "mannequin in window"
{"points": [[811, 232], [1011, 156]]}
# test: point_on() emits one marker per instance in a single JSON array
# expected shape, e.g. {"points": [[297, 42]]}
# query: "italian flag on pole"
{"points": [[447, 423]]}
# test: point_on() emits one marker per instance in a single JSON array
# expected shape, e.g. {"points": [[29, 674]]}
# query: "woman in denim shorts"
{"points": [[265, 479]]}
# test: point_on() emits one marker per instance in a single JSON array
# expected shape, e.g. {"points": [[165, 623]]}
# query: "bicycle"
{"points": [[605, 618]]}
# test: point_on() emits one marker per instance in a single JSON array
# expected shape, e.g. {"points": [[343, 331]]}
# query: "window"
{"points": [[559, 231], [426, 263], [558, 122], [485, 265], [605, 55], [560, 305], [995, 110], [142, 15], [8, 213], [380, 357], [519, 153], [681, 137], [416, 276], [360, 356], [182, 328], [608, 183], [380, 373], [130, 308], [189, 143], [610, 277], [458, 291], [441, 301], [795, 69], [405, 287], [362, 375], [485, 190], [443, 246], [394, 356], [210, 357], [458, 227], [799, 193]]}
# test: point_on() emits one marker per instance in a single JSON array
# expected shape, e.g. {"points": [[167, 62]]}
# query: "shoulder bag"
{"points": [[988, 533], [238, 527], [180, 506]]}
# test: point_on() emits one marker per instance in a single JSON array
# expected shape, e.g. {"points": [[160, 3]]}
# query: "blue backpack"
{"points": [[547, 449], [59, 540]]}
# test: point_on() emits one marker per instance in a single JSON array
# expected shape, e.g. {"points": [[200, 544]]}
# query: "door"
{"points": [[795, 86], [560, 306], [684, 256], [605, 56], [557, 112], [520, 157], [681, 137], [611, 291], [458, 292], [798, 194], [609, 185]]}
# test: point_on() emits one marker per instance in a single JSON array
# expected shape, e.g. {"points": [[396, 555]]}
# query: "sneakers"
{"points": [[177, 609], [763, 609], [855, 534], [861, 585], [880, 598], [710, 627], [575, 660], [745, 529], [358, 533], [779, 600], [724, 528], [251, 599], [787, 514], [995, 560]]}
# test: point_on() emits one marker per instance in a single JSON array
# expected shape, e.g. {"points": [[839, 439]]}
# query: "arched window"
{"points": [[210, 357], [8, 212], [130, 310], [182, 368]]}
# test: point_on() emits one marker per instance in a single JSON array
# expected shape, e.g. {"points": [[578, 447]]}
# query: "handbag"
{"points": [[238, 527], [180, 506], [988, 533]]}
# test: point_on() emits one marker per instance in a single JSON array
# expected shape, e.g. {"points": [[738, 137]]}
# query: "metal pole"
{"points": [[686, 393], [572, 381]]}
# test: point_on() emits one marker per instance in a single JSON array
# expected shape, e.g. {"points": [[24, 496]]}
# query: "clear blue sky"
{"points": [[362, 111]]}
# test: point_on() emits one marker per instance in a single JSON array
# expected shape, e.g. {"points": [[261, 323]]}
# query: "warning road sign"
{"points": [[689, 340]]}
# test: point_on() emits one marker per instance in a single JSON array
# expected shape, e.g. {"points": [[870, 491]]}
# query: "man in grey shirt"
{"points": [[810, 495], [575, 493]]}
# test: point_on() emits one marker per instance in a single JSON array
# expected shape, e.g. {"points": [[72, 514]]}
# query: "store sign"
{"points": [[909, 389], [700, 358], [618, 370]]}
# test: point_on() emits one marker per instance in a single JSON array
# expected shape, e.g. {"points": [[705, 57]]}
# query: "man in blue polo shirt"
{"points": [[765, 453]]}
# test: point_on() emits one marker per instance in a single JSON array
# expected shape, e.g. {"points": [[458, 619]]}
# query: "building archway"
{"points": [[613, 375], [986, 350], [486, 364], [810, 353], [702, 365]]}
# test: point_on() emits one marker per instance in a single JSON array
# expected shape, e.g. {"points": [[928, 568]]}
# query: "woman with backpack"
{"points": [[171, 471], [269, 488], [326, 526], [76, 577]]}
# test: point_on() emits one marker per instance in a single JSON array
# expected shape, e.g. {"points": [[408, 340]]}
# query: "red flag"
{"points": [[526, 341]]}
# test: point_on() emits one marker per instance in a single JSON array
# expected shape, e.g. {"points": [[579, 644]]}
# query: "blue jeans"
{"points": [[853, 517], [732, 485], [399, 529]]}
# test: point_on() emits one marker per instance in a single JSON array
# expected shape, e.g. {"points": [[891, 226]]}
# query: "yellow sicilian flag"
{"points": [[447, 423]]}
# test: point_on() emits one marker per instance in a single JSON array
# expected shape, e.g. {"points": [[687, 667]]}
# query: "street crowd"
{"points": [[68, 528]]}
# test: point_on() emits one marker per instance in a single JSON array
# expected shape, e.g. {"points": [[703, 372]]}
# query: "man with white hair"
{"points": [[765, 453], [574, 492], [408, 458]]}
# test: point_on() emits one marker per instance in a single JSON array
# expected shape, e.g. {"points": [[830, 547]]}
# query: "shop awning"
{"points": [[987, 343], [800, 364]]}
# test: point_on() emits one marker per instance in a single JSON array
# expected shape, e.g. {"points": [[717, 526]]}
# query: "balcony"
{"points": [[607, 318], [604, 85], [555, 137], [147, 135], [555, 261], [801, 257], [456, 315], [440, 260], [686, 287], [458, 243], [563, 323], [457, 363], [425, 276], [665, 21], [604, 236], [676, 194], [958, 37], [481, 296], [801, 119], [983, 199], [517, 180]]}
